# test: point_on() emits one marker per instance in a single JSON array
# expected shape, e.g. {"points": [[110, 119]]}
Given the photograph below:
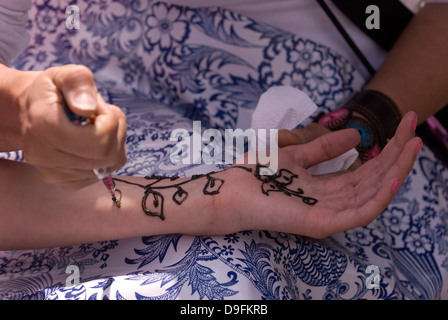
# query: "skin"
{"points": [[58, 160], [62, 152], [51, 216], [414, 73]]}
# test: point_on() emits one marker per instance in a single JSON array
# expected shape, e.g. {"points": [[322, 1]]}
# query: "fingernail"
{"points": [[419, 147], [85, 101], [414, 124], [396, 186]]}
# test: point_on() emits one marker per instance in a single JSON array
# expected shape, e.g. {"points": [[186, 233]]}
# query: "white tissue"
{"points": [[282, 108], [286, 107]]}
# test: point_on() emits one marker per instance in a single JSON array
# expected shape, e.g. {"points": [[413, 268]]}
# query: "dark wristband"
{"points": [[373, 114], [379, 109]]}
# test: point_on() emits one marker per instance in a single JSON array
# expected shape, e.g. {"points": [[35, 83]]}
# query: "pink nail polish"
{"points": [[414, 124], [419, 148], [396, 186]]}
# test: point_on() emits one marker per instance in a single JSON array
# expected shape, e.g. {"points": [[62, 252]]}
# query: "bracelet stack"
{"points": [[373, 114]]}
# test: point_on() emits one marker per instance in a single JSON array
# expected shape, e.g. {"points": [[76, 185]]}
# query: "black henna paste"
{"points": [[278, 182]]}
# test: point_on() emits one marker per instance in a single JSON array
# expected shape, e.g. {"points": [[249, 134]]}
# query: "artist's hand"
{"points": [[63, 152], [344, 199], [305, 135]]}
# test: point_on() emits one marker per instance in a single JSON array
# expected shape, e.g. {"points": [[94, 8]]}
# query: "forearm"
{"points": [[35, 214], [415, 73], [13, 85]]}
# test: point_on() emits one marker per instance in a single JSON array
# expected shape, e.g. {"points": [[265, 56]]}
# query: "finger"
{"points": [[374, 170], [404, 133], [355, 165], [102, 141], [326, 147], [301, 136], [376, 167], [77, 85], [77, 185], [370, 189], [397, 172], [386, 190], [121, 131], [50, 157], [287, 138], [119, 145], [53, 175]]}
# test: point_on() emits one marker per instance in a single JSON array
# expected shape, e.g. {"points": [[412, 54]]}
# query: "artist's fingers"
{"points": [[69, 179], [120, 140], [56, 175], [77, 84], [103, 142], [326, 147], [90, 141], [45, 156], [78, 184]]}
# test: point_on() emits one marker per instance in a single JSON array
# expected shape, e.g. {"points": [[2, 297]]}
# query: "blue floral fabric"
{"points": [[168, 65]]}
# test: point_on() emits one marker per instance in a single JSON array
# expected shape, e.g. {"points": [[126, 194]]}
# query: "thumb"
{"points": [[77, 85], [286, 138], [301, 136]]}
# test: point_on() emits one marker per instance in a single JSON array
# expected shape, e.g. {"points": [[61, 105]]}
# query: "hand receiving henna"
{"points": [[343, 200], [237, 199], [290, 200]]}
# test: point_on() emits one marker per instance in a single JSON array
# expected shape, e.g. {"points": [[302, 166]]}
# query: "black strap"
{"points": [[347, 37]]}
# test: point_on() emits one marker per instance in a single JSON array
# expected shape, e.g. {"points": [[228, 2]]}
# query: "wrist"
{"points": [[379, 110], [197, 205], [227, 211], [373, 114]]}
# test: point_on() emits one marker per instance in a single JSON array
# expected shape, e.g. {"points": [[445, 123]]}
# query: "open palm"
{"points": [[296, 202]]}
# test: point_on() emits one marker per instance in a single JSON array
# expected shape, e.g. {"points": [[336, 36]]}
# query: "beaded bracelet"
{"points": [[373, 114]]}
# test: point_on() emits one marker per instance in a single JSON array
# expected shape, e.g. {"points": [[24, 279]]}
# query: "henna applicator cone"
{"points": [[105, 176]]}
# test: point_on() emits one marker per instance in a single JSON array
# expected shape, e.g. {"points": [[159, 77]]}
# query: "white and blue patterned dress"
{"points": [[168, 65]]}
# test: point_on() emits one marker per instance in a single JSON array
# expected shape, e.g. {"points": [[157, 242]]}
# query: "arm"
{"points": [[35, 215], [415, 72]]}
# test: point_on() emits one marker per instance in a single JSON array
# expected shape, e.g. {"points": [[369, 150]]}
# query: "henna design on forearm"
{"points": [[152, 191], [278, 182]]}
